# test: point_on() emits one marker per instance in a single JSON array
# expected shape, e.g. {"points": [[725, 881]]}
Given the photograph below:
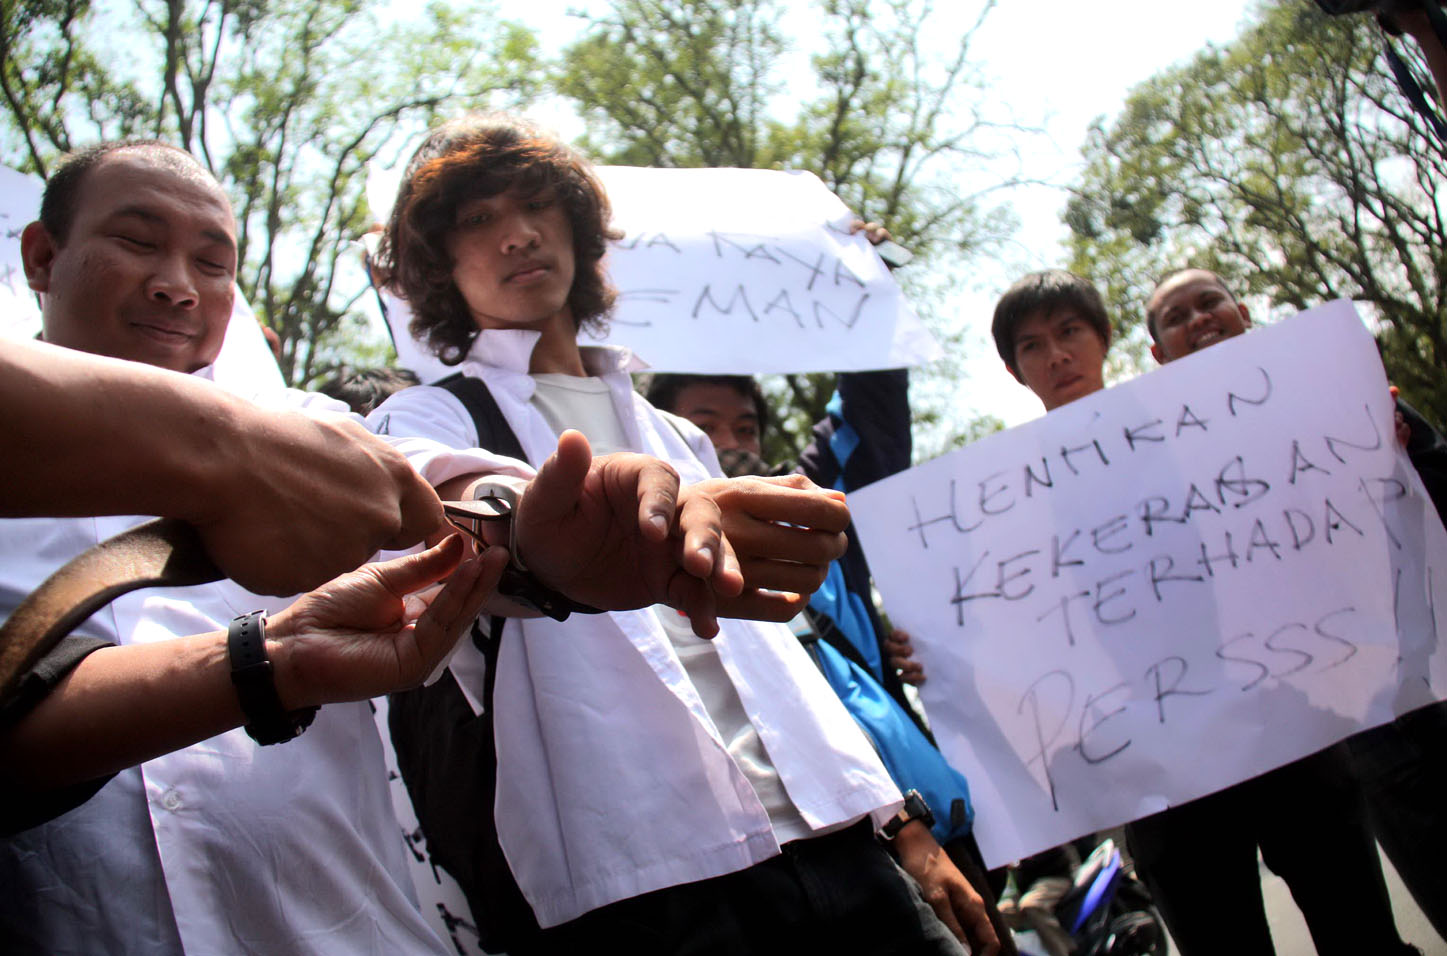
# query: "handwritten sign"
{"points": [[245, 364], [737, 271], [751, 271], [1169, 586]]}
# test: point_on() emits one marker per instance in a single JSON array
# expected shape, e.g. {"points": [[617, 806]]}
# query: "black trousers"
{"points": [[1402, 769], [836, 894], [1308, 818]]}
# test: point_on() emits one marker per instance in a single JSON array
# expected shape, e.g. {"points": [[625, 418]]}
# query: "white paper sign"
{"points": [[1169, 586], [736, 271], [245, 364], [751, 271]]}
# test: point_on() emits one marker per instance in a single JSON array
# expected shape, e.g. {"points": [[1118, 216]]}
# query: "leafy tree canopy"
{"points": [[284, 101], [893, 125], [1289, 163]]}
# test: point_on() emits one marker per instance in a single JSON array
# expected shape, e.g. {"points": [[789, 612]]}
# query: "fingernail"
{"points": [[659, 522], [707, 552]]}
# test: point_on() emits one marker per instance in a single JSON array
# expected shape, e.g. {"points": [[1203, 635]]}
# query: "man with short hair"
{"points": [[870, 417], [226, 846], [729, 409], [1052, 333], [1199, 859], [1189, 310]]}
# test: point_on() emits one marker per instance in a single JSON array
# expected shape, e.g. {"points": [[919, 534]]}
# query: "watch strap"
{"points": [[915, 808], [251, 673]]}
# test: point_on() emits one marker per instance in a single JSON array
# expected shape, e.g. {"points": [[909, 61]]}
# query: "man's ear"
{"points": [[37, 253], [1245, 316], [1156, 354]]}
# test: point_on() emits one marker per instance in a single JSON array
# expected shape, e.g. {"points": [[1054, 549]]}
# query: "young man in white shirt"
{"points": [[1199, 859], [655, 791]]}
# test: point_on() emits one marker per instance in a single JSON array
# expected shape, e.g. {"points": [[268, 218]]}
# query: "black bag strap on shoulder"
{"points": [[493, 431], [447, 754]]}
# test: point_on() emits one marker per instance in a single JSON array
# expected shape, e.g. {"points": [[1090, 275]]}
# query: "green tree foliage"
{"points": [[1289, 163], [285, 101], [892, 120]]}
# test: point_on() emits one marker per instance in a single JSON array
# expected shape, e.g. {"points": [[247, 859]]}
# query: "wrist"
{"points": [[288, 668], [913, 837], [254, 675], [506, 492], [915, 810]]}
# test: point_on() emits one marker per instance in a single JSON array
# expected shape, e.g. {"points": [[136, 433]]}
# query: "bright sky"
{"points": [[1073, 63], [1057, 66]]}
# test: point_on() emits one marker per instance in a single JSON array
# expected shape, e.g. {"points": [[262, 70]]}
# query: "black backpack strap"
{"points": [[448, 755], [489, 646], [493, 431]]}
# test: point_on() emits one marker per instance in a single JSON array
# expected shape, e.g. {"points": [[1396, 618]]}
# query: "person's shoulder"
{"points": [[424, 411], [686, 429]]}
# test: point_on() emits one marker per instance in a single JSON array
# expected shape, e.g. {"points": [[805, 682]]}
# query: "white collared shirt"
{"points": [[222, 847], [612, 779]]}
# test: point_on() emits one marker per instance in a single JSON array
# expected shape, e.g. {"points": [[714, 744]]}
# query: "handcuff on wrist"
{"points": [[497, 501]]}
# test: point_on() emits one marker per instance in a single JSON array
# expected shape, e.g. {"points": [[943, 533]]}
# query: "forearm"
{"points": [[121, 706], [83, 451]]}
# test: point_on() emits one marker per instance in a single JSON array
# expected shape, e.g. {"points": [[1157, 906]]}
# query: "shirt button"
{"points": [[171, 800]]}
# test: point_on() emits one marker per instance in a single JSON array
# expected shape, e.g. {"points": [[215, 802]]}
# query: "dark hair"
{"points": [[664, 389], [363, 389], [1045, 292], [62, 188], [1167, 277], [477, 156]]}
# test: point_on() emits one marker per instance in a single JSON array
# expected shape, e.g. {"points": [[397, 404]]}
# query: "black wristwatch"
{"points": [[251, 673], [914, 809]]}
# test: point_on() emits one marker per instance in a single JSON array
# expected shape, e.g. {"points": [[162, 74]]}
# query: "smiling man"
{"points": [[1189, 311], [135, 257], [1199, 859]]}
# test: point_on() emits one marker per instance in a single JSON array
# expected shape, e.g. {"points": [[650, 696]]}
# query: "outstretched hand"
{"points": [[785, 532], [375, 630], [616, 532]]}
